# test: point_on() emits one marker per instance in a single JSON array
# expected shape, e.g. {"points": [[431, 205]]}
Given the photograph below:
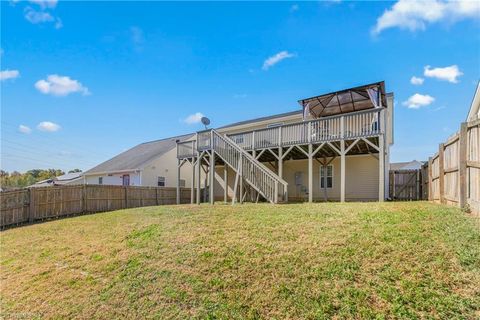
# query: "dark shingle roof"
{"points": [[138, 156]]}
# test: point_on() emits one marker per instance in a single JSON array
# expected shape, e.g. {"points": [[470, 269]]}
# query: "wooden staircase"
{"points": [[248, 169]]}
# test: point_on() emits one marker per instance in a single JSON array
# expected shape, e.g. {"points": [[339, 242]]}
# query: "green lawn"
{"points": [[297, 261]]}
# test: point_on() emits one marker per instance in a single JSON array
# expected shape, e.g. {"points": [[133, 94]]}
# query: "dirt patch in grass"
{"points": [[298, 261]]}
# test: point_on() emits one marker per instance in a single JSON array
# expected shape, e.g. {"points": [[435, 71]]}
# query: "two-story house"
{"points": [[336, 147]]}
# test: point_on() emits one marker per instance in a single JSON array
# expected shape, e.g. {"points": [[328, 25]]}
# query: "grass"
{"points": [[297, 261]]}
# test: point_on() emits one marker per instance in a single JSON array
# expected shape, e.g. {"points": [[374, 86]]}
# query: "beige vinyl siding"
{"points": [[166, 166], [361, 179]]}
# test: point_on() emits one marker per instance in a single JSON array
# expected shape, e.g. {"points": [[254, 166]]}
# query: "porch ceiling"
{"points": [[361, 147]]}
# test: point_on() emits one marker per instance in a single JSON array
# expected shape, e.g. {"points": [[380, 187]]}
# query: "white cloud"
{"points": [[418, 100], [43, 15], [449, 74], [60, 86], [38, 16], [415, 15], [48, 126], [273, 60], [194, 118], [44, 4], [294, 8], [9, 74], [24, 129], [416, 81], [439, 108]]}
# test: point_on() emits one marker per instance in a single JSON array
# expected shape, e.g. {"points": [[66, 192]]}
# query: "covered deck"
{"points": [[339, 124]]}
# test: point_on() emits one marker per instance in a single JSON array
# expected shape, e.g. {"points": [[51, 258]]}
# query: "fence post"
{"points": [[430, 180], [418, 182], [156, 195], [441, 172], [84, 199], [462, 165], [126, 196], [393, 184], [31, 205]]}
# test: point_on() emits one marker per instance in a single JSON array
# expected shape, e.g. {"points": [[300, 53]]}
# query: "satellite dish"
{"points": [[205, 121]]}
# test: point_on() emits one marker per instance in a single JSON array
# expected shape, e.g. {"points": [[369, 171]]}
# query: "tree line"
{"points": [[15, 179]]}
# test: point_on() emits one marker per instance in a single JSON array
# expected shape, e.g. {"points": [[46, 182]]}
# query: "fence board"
{"points": [[455, 177], [36, 204], [406, 185], [14, 207]]}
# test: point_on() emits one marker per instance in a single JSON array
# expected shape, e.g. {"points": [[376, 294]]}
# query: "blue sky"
{"points": [[87, 80]]}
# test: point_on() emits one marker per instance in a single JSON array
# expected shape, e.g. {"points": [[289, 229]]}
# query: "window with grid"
{"points": [[326, 176], [161, 181]]}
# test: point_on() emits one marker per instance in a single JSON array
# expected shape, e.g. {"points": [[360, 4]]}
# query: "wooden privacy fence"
{"points": [[34, 204], [454, 171], [406, 185]]}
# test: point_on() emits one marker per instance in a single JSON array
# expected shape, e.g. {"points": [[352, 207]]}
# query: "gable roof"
{"points": [[410, 165], [138, 156], [60, 180]]}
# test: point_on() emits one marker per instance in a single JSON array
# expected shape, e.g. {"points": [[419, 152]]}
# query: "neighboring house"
{"points": [[63, 180], [411, 165], [336, 147], [474, 112], [147, 164]]}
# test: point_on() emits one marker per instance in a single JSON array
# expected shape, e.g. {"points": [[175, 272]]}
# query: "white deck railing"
{"points": [[355, 125], [186, 149]]}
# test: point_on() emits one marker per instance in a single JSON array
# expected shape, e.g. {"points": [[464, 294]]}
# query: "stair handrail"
{"points": [[264, 168]]}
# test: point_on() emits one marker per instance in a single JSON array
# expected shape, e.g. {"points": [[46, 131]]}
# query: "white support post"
{"points": [[280, 162], [342, 160], [225, 182], [240, 170], [279, 136], [275, 197], [253, 141], [205, 184], [381, 169], [192, 186], [310, 172], [212, 177], [212, 169], [381, 158], [178, 180], [309, 131], [235, 185], [199, 177], [254, 154]]}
